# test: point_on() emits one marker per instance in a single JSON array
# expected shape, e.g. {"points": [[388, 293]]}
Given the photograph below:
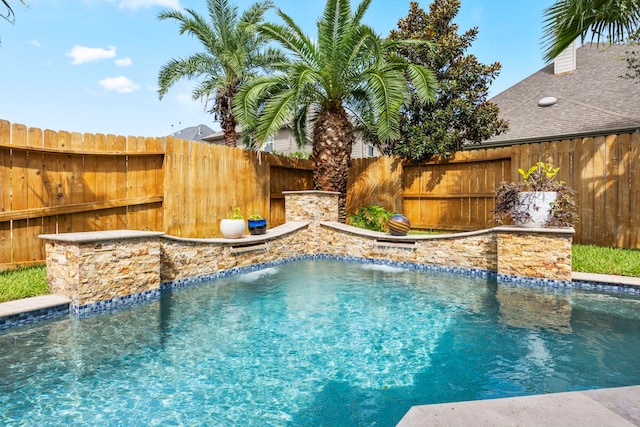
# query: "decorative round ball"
{"points": [[399, 225]]}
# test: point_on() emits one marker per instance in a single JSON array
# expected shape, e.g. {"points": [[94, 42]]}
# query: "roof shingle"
{"points": [[592, 99]]}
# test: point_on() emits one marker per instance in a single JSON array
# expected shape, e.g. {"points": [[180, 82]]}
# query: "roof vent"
{"points": [[548, 101]]}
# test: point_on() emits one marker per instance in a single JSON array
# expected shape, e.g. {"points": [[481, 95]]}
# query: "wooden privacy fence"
{"points": [[457, 194], [66, 181], [203, 182]]}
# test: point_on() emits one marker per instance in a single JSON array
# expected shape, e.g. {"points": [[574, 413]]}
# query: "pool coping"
{"points": [[615, 407]]}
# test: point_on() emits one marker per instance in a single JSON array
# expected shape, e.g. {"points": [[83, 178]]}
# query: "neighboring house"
{"points": [[193, 133], [284, 143], [579, 94]]}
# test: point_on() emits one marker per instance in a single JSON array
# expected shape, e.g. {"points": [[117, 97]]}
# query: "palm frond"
{"points": [[246, 103], [175, 70], [332, 28], [361, 9], [387, 93], [277, 112], [567, 20], [224, 18], [424, 82], [255, 14], [292, 39], [299, 125]]}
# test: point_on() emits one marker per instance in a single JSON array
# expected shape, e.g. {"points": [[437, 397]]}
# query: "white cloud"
{"points": [[123, 62], [137, 4], [120, 84], [35, 43], [184, 98], [82, 54]]}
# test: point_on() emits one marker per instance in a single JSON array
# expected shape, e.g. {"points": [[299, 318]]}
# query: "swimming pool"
{"points": [[317, 342]]}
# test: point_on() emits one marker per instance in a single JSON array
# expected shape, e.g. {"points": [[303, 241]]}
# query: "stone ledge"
{"points": [[97, 236], [271, 234], [11, 308], [386, 237], [310, 192], [551, 230]]}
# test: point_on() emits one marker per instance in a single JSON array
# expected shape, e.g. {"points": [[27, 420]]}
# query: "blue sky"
{"points": [[92, 65]]}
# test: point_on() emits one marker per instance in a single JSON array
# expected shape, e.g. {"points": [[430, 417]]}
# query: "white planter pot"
{"points": [[232, 228], [538, 205]]}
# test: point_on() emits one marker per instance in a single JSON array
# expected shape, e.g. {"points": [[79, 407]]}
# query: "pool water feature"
{"points": [[316, 342]]}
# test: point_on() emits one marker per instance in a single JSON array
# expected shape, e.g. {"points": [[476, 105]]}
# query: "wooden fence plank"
{"points": [[623, 206], [5, 192], [634, 180], [598, 188], [20, 194], [51, 179], [35, 198], [611, 190]]}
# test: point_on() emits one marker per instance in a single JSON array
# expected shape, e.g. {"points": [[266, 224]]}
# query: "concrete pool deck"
{"points": [[602, 407]]}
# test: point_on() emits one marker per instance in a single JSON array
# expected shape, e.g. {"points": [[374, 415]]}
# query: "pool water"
{"points": [[315, 343]]}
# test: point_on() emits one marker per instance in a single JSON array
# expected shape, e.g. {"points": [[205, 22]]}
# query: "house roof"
{"points": [[193, 133], [593, 99]]}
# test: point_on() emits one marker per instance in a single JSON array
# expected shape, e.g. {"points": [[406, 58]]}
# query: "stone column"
{"points": [[314, 206], [540, 253]]}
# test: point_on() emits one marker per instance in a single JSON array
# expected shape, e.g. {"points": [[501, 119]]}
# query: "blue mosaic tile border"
{"points": [[606, 287], [28, 317], [191, 281], [140, 298], [115, 303], [534, 282]]}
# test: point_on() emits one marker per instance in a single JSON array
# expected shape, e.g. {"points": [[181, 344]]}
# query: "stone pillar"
{"points": [[540, 253], [314, 206], [103, 269]]}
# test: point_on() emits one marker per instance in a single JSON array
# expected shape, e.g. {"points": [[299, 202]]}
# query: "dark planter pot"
{"points": [[257, 226], [398, 225]]}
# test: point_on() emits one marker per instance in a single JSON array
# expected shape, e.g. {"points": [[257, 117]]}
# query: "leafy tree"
{"points": [[345, 68], [566, 20], [461, 113], [633, 58], [233, 52]]}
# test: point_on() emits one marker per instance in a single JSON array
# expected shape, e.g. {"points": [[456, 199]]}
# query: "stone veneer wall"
{"points": [[93, 271], [313, 206], [534, 253], [91, 268], [475, 250], [187, 258]]}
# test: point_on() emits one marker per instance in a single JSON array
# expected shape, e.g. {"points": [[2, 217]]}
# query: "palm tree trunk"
{"points": [[228, 121], [333, 138]]}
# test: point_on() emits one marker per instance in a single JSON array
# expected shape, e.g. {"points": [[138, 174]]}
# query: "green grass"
{"points": [[23, 283], [598, 259]]}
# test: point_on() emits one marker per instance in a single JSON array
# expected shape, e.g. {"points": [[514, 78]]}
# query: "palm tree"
{"points": [[566, 20], [9, 15], [346, 69], [233, 52]]}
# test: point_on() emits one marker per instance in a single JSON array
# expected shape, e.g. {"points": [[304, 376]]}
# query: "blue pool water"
{"points": [[313, 343]]}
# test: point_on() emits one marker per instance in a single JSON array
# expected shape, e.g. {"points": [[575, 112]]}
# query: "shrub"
{"points": [[373, 218]]}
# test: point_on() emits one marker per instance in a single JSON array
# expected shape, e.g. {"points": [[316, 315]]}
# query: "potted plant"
{"points": [[234, 226], [537, 200], [257, 224]]}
